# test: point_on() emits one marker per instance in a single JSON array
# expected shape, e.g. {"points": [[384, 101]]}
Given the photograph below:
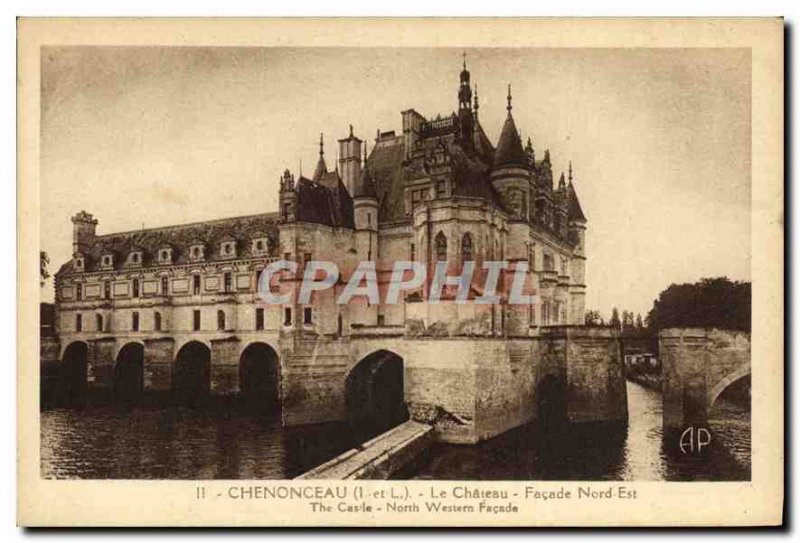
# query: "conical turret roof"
{"points": [[365, 186], [509, 146], [574, 211]]}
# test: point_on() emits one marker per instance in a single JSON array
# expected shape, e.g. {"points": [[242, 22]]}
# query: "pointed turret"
{"points": [[365, 187], [321, 168], [574, 210], [509, 146]]}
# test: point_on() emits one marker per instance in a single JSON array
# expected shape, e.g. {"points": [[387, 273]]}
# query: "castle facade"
{"points": [[177, 309]]}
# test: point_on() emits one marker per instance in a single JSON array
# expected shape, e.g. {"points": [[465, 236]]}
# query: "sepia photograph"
{"points": [[467, 264]]}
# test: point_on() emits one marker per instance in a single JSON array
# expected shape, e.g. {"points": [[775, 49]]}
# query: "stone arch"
{"points": [[129, 372], [260, 377], [191, 374], [375, 394], [75, 370], [725, 382], [440, 246], [467, 247]]}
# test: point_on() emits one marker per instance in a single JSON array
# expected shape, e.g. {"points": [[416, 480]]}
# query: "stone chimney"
{"points": [[350, 161], [84, 226]]}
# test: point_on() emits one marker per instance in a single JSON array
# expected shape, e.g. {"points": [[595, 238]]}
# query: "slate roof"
{"points": [[180, 238], [365, 185], [386, 167], [325, 202], [509, 146], [471, 176], [574, 211]]}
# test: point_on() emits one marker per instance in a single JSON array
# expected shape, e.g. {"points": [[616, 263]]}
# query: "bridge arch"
{"points": [[725, 382], [259, 377], [375, 394], [191, 376], [129, 372], [698, 365], [75, 368]]}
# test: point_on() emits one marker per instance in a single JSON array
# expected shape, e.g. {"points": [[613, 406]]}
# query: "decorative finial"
{"points": [[351, 130], [464, 55], [475, 106], [570, 172], [301, 167], [508, 107], [321, 144]]}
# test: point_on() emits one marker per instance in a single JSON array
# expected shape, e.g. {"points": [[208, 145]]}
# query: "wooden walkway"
{"points": [[378, 458]]}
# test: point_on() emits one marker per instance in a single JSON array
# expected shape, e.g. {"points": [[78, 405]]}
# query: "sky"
{"points": [[659, 140]]}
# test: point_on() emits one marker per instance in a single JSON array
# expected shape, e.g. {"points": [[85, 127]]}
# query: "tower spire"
{"points": [[321, 144], [508, 107], [570, 172], [475, 104]]}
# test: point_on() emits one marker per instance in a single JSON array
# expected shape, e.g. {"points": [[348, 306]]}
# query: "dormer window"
{"points": [[260, 246], [228, 248], [135, 258], [107, 261], [80, 263], [165, 255], [197, 252]]}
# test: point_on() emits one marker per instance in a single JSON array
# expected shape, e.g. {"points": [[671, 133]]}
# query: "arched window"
{"points": [[220, 320], [157, 321], [99, 321], [466, 248], [441, 246]]}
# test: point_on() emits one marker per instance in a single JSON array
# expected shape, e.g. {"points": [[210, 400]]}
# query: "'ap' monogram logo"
{"points": [[693, 441]]}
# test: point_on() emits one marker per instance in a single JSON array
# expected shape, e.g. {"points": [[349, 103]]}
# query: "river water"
{"points": [[111, 442]]}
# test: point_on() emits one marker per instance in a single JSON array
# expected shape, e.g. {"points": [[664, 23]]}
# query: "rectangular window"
{"points": [[381, 320], [413, 256], [259, 318], [135, 288], [135, 321], [165, 286], [157, 321], [441, 189], [107, 290], [287, 316], [79, 291], [79, 323], [195, 284], [307, 316], [196, 320], [228, 281]]}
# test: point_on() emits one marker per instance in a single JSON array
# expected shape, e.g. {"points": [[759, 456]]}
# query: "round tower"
{"points": [[510, 173]]}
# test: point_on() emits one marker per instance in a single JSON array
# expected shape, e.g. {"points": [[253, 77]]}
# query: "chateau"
{"points": [[176, 309]]}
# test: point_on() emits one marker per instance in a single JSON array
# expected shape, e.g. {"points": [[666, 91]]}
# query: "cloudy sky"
{"points": [[659, 140]]}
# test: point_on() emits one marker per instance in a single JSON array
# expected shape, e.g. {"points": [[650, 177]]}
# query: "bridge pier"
{"points": [[698, 365]]}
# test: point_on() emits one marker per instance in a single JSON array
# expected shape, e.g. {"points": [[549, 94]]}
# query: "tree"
{"points": [[615, 322], [44, 261], [709, 303], [639, 324], [627, 321], [593, 318]]}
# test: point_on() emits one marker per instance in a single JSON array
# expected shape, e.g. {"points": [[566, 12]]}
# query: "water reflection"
{"points": [[601, 453], [110, 442]]}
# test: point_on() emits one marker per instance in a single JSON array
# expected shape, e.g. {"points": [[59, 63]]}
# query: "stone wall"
{"points": [[591, 358], [698, 364]]}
